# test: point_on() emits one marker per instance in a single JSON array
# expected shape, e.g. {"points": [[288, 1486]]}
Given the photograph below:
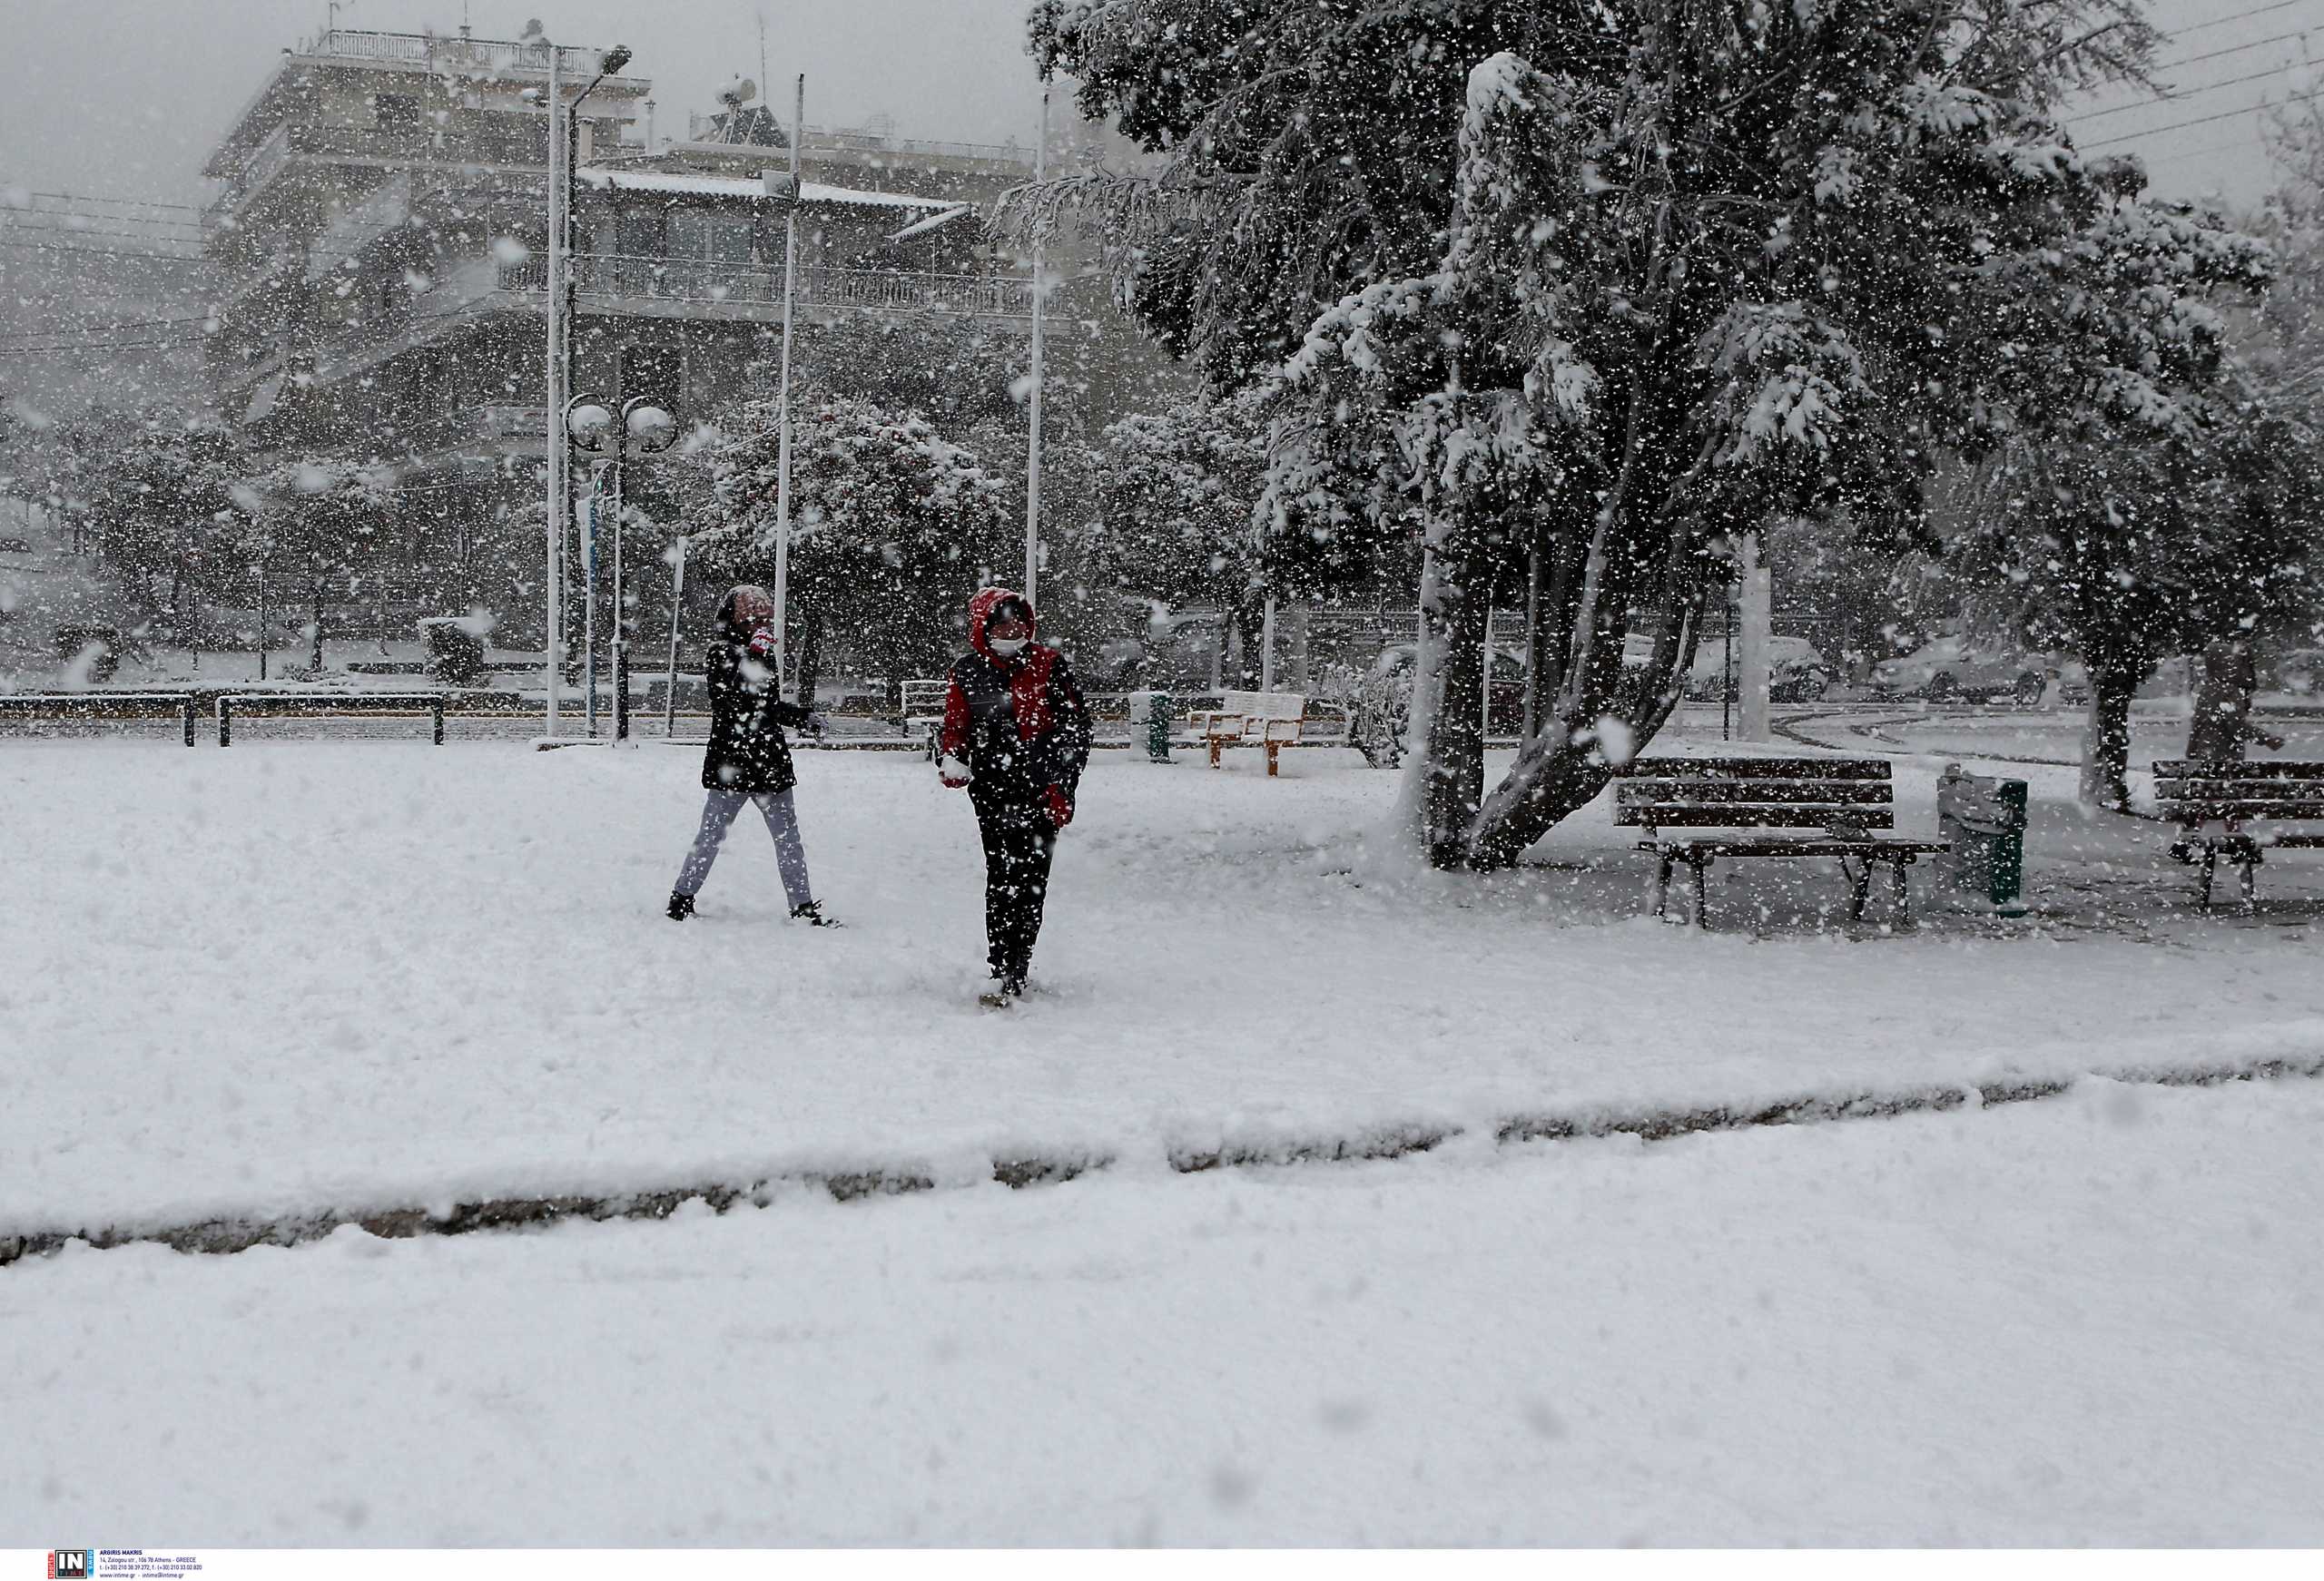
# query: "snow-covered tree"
{"points": [[1169, 522], [1609, 283], [318, 518], [159, 489], [892, 525]]}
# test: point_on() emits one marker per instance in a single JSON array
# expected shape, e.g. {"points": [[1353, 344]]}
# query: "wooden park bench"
{"points": [[1251, 719], [2238, 809], [247, 703], [923, 708], [1847, 799], [95, 705]]}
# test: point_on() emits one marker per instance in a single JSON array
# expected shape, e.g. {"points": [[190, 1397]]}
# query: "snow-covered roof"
{"points": [[749, 187]]}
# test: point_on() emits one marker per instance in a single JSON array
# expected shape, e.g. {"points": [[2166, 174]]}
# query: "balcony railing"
{"points": [[519, 143], [740, 285], [703, 130], [495, 56]]}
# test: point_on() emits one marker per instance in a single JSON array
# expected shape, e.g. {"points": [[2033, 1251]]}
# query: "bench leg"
{"points": [[2251, 877], [1214, 751], [1272, 748], [1903, 890], [2204, 871], [1696, 913], [1859, 888], [1657, 889]]}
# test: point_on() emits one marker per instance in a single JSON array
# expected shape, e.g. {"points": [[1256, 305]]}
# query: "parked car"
{"points": [[2300, 671], [1797, 672], [1951, 670], [1383, 702]]}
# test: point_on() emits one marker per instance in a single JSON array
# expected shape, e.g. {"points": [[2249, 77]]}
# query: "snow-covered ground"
{"points": [[2087, 1321], [299, 977], [307, 978]]}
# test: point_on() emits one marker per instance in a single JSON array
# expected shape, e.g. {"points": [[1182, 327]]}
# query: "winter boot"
{"points": [[681, 906], [811, 914]]}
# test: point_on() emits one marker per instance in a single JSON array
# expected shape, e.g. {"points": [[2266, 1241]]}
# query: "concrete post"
{"points": [[1752, 646]]}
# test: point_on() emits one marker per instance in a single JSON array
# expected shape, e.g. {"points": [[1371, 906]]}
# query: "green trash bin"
{"points": [[1150, 722], [1985, 820]]}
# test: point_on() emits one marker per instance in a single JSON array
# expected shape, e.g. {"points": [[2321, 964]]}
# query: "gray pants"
{"points": [[719, 809]]}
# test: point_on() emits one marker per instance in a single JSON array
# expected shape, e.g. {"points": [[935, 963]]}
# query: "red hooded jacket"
{"points": [[1019, 723]]}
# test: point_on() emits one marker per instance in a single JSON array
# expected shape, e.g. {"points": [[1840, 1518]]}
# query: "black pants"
{"points": [[1019, 840]]}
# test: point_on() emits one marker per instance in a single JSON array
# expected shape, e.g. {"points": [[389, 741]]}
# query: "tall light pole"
{"points": [[789, 190], [562, 138], [1033, 426], [559, 505]]}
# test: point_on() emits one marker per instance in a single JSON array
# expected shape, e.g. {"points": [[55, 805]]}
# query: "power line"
{"points": [[53, 211], [14, 223], [2195, 121], [165, 346], [2190, 59], [105, 329], [2181, 93], [124, 202], [53, 247], [2235, 16]]}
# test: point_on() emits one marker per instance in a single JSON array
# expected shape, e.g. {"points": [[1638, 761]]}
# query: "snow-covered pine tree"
{"points": [[1610, 282]]}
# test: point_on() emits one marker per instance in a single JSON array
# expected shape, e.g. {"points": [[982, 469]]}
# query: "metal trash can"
{"points": [[1149, 715], [1983, 817]]}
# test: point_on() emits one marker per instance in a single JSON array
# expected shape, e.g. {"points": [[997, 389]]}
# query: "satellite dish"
{"points": [[739, 91]]}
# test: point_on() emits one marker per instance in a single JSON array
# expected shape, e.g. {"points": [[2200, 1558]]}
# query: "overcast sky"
{"points": [[123, 98]]}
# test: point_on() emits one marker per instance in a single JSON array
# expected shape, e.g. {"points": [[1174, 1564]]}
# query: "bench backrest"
{"points": [[924, 696], [1264, 704], [1755, 793], [2189, 790]]}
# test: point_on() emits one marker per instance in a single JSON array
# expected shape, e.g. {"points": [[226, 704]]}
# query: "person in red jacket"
{"points": [[1017, 736]]}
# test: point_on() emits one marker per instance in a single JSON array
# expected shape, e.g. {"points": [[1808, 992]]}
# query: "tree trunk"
{"points": [[2221, 726], [2106, 740], [316, 662], [1448, 699]]}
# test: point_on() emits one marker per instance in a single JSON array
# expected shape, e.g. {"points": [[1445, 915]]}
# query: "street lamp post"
{"points": [[562, 145], [642, 428]]}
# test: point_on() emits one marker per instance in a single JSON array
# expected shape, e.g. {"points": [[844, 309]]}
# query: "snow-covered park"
{"points": [[310, 982]]}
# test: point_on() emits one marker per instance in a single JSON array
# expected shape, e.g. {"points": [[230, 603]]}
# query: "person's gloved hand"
{"points": [[763, 644], [1060, 806], [953, 773]]}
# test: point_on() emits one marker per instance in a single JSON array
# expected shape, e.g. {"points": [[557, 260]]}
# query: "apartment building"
{"points": [[381, 243]]}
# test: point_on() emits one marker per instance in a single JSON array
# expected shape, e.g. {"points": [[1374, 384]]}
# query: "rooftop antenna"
{"points": [[762, 76]]}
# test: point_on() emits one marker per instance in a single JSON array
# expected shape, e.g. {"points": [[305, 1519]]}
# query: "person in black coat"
{"points": [[1017, 734], [749, 760]]}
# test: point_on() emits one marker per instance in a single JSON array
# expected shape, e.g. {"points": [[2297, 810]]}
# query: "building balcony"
{"points": [[295, 145], [668, 288]]}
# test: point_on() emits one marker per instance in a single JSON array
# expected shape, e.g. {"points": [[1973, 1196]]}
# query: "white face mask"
{"points": [[1008, 647]]}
